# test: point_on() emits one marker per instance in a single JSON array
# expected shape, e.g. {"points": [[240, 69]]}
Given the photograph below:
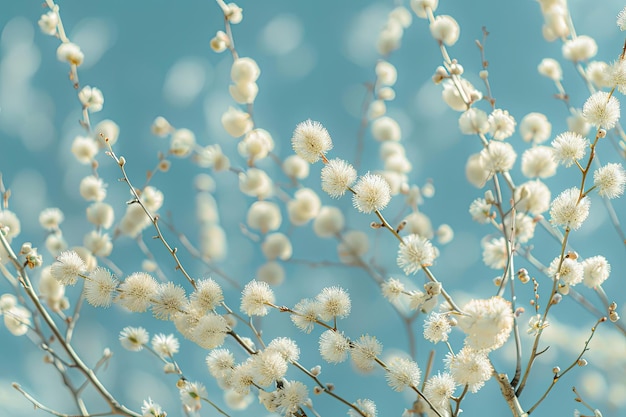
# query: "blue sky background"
{"points": [[144, 57]]}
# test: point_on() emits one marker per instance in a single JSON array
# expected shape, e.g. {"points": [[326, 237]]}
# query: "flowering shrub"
{"points": [[294, 261]]}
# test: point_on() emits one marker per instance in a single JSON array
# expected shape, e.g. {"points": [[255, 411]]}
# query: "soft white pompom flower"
{"points": [[7, 302], [210, 331], [372, 193], [134, 338], [191, 395], [392, 288], [92, 188], [402, 373], [137, 292], [84, 149], [271, 272], [566, 210], [550, 68], [580, 48], [418, 223], [100, 214], [100, 286], [386, 129], [469, 367], [286, 347], [367, 407], [494, 253], [268, 368], [244, 92], [364, 352], [182, 142], [571, 271], [291, 396], [236, 122], [487, 323], [152, 409], [277, 246], [501, 124], [480, 211], [255, 298], [306, 314], [474, 121], [599, 73], [68, 267], [445, 29], [296, 167], [233, 13], [264, 216], [107, 131], [304, 207], [51, 218], [48, 23], [535, 128], [610, 180], [334, 302], [168, 301], [498, 157], [165, 345], [414, 253], [91, 98], [17, 320], [50, 289], [577, 123], [256, 183], [70, 52], [439, 388], [538, 162], [334, 346], [329, 222], [616, 76], [437, 327], [533, 197], [99, 244], [595, 271], [220, 363], [311, 141], [421, 6], [211, 156], [602, 110]]}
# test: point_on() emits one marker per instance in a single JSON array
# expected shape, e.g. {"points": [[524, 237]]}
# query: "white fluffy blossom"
{"points": [[498, 157], [68, 267], [535, 128], [306, 314], [569, 210], [538, 162], [372, 193], [334, 302], [337, 176], [255, 298], [100, 287], [580, 48], [595, 271], [365, 351], [602, 110], [501, 124], [137, 292], [469, 367], [414, 253], [437, 327], [494, 253], [439, 388], [402, 373], [445, 29], [533, 196], [392, 288], [571, 271], [610, 180], [134, 338], [334, 346], [486, 323], [311, 141]]}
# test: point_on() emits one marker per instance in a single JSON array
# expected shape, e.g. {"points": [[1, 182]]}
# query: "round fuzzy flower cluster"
{"points": [[569, 147], [569, 210], [501, 124], [571, 271], [487, 323], [595, 271], [337, 176], [68, 267], [535, 128], [414, 253], [334, 302], [255, 298], [402, 373], [371, 193], [498, 157], [437, 327], [334, 346], [311, 141], [538, 162], [602, 110], [438, 389], [610, 180], [469, 367], [364, 352]]}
